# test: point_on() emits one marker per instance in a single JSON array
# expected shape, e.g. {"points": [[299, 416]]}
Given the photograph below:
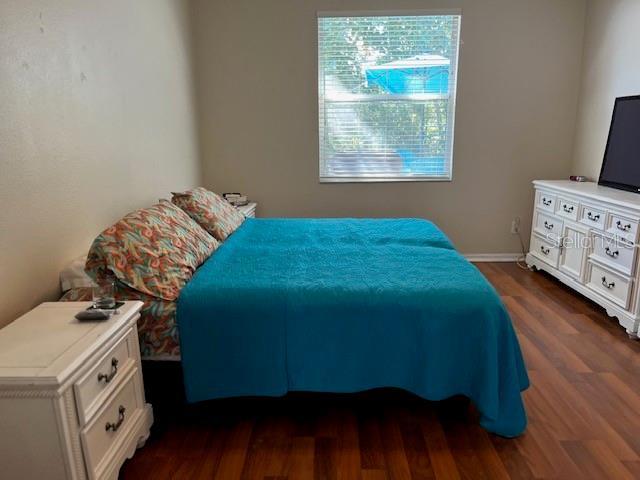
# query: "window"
{"points": [[387, 87]]}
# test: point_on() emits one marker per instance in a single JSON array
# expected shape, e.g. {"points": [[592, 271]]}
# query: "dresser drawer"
{"points": [[546, 201], [615, 253], [91, 390], [611, 285], [548, 226], [567, 208], [112, 423], [623, 227], [545, 250], [592, 217]]}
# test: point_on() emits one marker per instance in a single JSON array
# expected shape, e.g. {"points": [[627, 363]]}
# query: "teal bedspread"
{"points": [[345, 305]]}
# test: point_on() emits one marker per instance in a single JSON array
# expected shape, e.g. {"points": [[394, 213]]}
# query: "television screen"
{"points": [[621, 165]]}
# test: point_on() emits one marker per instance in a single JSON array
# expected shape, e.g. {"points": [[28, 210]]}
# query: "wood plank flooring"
{"points": [[583, 407]]}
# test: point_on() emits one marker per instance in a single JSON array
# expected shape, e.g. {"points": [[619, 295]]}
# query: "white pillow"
{"points": [[74, 276]]}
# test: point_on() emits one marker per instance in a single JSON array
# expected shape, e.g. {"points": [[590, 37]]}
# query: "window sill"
{"points": [[383, 179]]}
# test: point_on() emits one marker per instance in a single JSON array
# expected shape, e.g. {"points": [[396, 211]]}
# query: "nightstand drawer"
{"points": [[93, 388], [112, 424]]}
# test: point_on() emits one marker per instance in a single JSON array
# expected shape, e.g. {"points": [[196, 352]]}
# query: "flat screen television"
{"points": [[621, 164]]}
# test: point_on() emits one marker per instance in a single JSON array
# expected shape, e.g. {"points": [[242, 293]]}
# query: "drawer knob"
{"points": [[606, 285], [624, 228], [548, 226], [611, 253], [116, 425], [567, 208], [107, 377], [546, 201], [593, 217], [544, 250]]}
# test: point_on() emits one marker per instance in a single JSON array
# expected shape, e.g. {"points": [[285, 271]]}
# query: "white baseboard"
{"points": [[492, 257]]}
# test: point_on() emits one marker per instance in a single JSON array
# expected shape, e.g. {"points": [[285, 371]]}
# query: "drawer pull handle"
{"points": [[107, 377], [548, 226], [611, 253], [567, 208], [546, 202], [606, 285], [116, 425], [544, 250], [592, 217], [624, 228]]}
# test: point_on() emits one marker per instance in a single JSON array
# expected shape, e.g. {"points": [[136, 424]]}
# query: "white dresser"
{"points": [[72, 402], [586, 236]]}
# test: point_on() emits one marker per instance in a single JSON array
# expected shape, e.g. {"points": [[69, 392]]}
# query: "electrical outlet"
{"points": [[515, 226]]}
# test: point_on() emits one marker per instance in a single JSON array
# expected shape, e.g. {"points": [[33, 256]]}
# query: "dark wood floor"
{"points": [[583, 407]]}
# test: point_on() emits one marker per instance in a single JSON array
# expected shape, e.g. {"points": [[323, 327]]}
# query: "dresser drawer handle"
{"points": [[567, 208], [107, 377], [546, 202], [624, 228], [548, 226], [592, 217], [611, 253], [606, 285], [116, 425], [544, 250]]}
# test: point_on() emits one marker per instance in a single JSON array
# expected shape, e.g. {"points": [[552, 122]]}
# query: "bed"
{"points": [[267, 306], [345, 305]]}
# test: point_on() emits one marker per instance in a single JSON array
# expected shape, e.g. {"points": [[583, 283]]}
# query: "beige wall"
{"points": [[611, 68], [519, 70], [96, 119]]}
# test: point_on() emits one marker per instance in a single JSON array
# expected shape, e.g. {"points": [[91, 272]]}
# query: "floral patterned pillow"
{"points": [[212, 212], [153, 250]]}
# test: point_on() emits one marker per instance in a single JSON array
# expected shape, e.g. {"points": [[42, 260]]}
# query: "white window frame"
{"points": [[452, 96]]}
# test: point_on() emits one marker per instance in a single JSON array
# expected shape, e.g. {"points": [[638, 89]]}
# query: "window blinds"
{"points": [[387, 96]]}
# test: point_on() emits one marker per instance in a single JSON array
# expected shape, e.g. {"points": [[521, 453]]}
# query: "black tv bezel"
{"points": [[606, 183]]}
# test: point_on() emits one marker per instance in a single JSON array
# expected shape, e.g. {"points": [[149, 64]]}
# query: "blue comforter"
{"points": [[344, 305]]}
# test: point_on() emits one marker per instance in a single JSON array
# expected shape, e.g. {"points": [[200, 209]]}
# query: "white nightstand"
{"points": [[249, 209], [71, 395]]}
